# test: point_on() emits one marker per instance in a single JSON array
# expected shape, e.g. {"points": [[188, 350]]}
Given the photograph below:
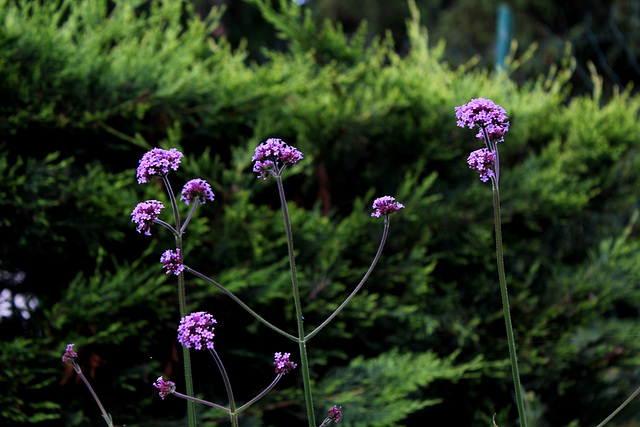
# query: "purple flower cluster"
{"points": [[482, 161], [273, 156], [165, 387], [196, 330], [485, 114], [492, 121], [385, 205], [283, 364], [335, 414], [145, 213], [172, 261], [198, 190], [69, 355], [158, 162]]}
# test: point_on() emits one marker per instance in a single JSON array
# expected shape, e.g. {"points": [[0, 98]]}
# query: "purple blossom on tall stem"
{"points": [[482, 161], [385, 205], [196, 330], [197, 190], [172, 261], [485, 114], [158, 162], [69, 355], [283, 364], [493, 124], [273, 156], [145, 213], [165, 387]]}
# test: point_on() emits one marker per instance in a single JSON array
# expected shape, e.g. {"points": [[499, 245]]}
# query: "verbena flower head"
{"points": [[283, 364], [165, 387], [385, 205], [272, 156], [197, 190], [482, 161], [335, 414], [158, 162], [69, 355], [485, 114], [145, 213], [172, 261], [196, 330]]}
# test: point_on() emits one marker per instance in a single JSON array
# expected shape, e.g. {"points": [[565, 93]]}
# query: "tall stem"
{"points": [[621, 407], [105, 415], [505, 305], [241, 303], [182, 302], [304, 360], [227, 384]]}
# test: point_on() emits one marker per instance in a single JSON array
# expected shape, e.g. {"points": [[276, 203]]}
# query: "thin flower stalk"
{"points": [[182, 302], [168, 387], [233, 415], [242, 408], [511, 341], [186, 221], [364, 279], [620, 408], [304, 360], [105, 415], [261, 394], [68, 358], [492, 121], [201, 401], [241, 303]]}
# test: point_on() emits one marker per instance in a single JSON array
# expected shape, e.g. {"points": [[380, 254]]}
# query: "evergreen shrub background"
{"points": [[87, 87]]}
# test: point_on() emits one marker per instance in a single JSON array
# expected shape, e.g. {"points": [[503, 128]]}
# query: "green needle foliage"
{"points": [[86, 87]]}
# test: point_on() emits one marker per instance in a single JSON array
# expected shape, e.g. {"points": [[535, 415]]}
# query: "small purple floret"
{"points": [[165, 387], [283, 364], [335, 414], [69, 355], [172, 261], [385, 205], [196, 330], [485, 114], [145, 213], [482, 161], [272, 156], [158, 162], [197, 189]]}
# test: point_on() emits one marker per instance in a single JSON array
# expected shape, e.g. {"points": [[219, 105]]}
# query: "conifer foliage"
{"points": [[88, 87]]}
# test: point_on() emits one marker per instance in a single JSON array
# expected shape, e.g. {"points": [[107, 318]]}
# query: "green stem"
{"points": [[240, 409], [304, 360], [182, 302], [619, 408], [233, 415], [196, 400], [241, 303], [364, 279], [105, 415], [191, 405], [260, 395], [505, 306]]}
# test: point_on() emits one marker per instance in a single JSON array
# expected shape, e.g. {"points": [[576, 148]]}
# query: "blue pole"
{"points": [[504, 34]]}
